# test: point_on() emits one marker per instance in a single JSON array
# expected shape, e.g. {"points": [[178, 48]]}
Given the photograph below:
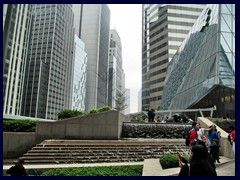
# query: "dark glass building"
{"points": [[202, 72]]}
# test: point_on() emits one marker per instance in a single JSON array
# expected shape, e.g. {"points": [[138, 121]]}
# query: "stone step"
{"points": [[59, 151]]}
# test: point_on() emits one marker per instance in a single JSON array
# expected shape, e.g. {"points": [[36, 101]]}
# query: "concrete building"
{"points": [[140, 101], [202, 72], [16, 34], [93, 21], [79, 75], [115, 75], [164, 28], [49, 76]]}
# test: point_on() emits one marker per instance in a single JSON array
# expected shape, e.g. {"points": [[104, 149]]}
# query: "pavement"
{"points": [[151, 167]]}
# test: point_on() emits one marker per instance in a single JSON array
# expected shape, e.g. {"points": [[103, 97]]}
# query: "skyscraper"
{"points": [[49, 85], [16, 34], [202, 72], [164, 28], [93, 21], [115, 68], [79, 75]]}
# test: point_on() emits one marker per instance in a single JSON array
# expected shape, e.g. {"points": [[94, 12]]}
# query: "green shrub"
{"points": [[68, 113], [101, 109], [138, 119], [96, 171], [170, 160], [19, 125], [104, 108], [93, 111], [223, 123]]}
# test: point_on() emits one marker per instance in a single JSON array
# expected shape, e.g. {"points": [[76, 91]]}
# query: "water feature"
{"points": [[155, 130]]}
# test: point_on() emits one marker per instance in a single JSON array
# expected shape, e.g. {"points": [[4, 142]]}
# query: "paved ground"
{"points": [[151, 167]]}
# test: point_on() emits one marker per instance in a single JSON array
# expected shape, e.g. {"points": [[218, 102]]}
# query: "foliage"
{"points": [[101, 109], [120, 101], [170, 160], [68, 113], [96, 171], [19, 125], [104, 108], [93, 111], [223, 123], [138, 119]]}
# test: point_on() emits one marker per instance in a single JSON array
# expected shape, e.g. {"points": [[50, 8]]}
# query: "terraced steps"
{"points": [[87, 151]]}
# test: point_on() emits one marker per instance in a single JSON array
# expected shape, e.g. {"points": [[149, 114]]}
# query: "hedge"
{"points": [[96, 171], [19, 125]]}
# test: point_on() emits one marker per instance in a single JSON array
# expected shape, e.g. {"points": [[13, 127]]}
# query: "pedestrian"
{"points": [[193, 133], [151, 115], [214, 139], [232, 137], [18, 169], [200, 164], [202, 137]]}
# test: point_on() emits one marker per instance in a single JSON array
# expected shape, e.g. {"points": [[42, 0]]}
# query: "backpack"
{"points": [[187, 141]]}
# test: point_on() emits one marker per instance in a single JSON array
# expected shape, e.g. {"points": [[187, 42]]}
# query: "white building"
{"points": [[79, 75]]}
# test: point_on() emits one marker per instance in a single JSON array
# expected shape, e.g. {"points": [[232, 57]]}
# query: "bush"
{"points": [[19, 125], [104, 108], [101, 109], [138, 119], [223, 123], [93, 111], [170, 160], [96, 171], [68, 113]]}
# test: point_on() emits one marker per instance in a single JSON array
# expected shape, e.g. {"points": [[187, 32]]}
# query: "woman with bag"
{"points": [[214, 139]]}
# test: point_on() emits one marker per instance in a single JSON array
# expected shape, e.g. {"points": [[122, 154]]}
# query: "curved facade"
{"points": [[202, 72]]}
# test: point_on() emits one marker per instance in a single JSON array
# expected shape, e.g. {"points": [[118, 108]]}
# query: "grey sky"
{"points": [[127, 20]]}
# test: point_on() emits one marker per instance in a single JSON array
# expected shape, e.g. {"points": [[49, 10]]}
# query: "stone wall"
{"points": [[17, 143], [104, 125]]}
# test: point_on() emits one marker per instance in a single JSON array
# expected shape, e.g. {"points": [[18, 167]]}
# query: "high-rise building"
{"points": [[164, 28], [202, 72], [49, 78], [16, 34], [93, 21], [115, 68], [79, 75]]}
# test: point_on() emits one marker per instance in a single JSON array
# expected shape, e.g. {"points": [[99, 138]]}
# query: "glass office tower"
{"points": [[202, 72], [164, 28], [49, 78], [16, 34]]}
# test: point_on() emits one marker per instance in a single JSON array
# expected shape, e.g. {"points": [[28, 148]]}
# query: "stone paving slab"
{"points": [[150, 168]]}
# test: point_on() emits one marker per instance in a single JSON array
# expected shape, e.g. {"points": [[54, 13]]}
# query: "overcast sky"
{"points": [[127, 20]]}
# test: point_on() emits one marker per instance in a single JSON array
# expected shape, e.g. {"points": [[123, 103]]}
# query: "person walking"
{"points": [[18, 169], [214, 139]]}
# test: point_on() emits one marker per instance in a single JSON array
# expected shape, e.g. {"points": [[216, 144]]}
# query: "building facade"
{"points": [[93, 21], [115, 68], [202, 72], [79, 75], [16, 34], [164, 28], [49, 75]]}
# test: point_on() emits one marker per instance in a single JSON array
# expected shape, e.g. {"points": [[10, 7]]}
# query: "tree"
{"points": [[120, 101]]}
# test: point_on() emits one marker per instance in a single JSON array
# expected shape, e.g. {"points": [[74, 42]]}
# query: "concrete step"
{"points": [[82, 151]]}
